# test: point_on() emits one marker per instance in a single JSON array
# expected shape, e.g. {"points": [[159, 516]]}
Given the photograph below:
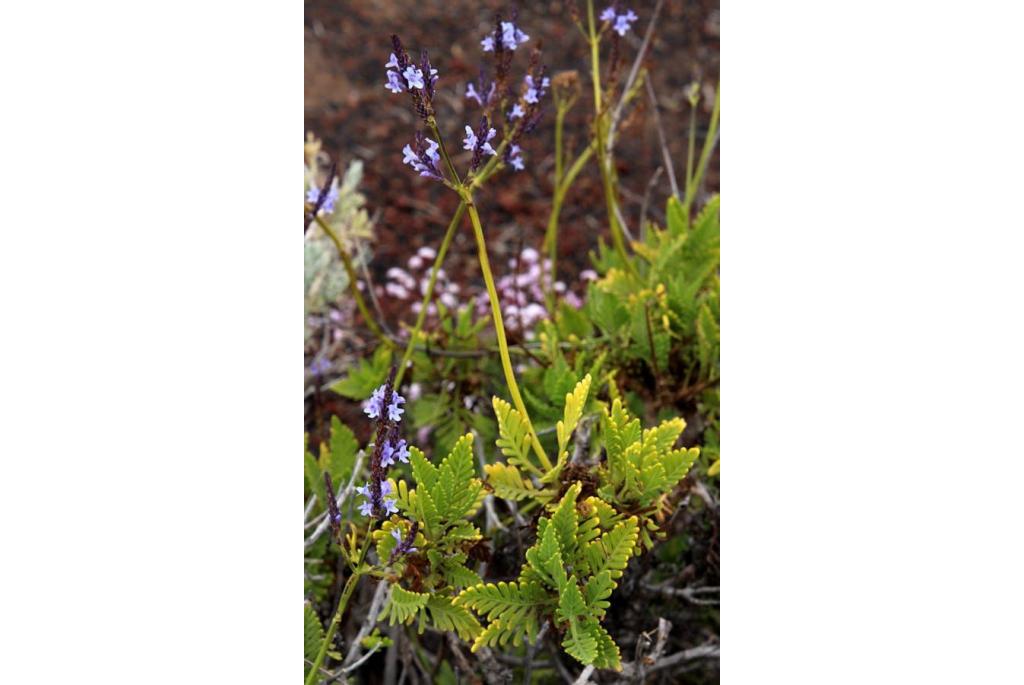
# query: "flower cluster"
{"points": [[622, 20], [385, 405], [479, 141], [424, 158], [411, 282], [418, 80], [522, 291], [404, 545], [509, 36]]}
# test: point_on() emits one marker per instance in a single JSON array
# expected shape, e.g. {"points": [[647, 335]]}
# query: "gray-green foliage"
{"points": [[325, 277]]}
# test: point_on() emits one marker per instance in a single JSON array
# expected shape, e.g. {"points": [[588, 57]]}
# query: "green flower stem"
{"points": [[350, 585], [601, 138], [499, 327], [353, 284], [444, 150], [705, 156], [551, 235], [427, 296]]}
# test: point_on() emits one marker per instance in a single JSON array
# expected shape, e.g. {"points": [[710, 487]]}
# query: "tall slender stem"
{"points": [[601, 134], [551, 234], [705, 156], [429, 294], [499, 328], [353, 283]]}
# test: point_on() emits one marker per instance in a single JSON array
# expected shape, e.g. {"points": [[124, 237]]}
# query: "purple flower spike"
{"points": [[425, 158]]}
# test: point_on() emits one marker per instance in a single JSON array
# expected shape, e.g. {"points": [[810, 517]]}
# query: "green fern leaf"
{"points": [[444, 615], [597, 591], [565, 521], [581, 642], [612, 551], [508, 483], [403, 605], [342, 454], [678, 463], [513, 435], [313, 634], [545, 557], [575, 401], [607, 650]]}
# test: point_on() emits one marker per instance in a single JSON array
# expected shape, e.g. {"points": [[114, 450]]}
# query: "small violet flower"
{"points": [[313, 194], [533, 93], [511, 38], [517, 112], [425, 162], [387, 504], [392, 450], [515, 158], [471, 140], [622, 20], [414, 76]]}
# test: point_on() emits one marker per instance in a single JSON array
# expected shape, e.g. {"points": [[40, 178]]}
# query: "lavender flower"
{"points": [[515, 158], [320, 366], [414, 76], [407, 76], [511, 37], [404, 545], [391, 450], [473, 94], [622, 20], [471, 142], [533, 92], [425, 158], [384, 503], [517, 112], [375, 405], [313, 194]]}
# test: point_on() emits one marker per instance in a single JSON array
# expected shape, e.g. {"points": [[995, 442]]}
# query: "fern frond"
{"points": [[403, 605], [607, 650], [678, 463], [444, 615], [513, 435], [565, 521], [597, 591], [312, 633], [574, 404], [612, 551], [508, 483], [545, 558], [581, 642], [513, 610]]}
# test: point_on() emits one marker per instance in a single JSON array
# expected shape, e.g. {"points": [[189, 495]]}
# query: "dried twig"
{"points": [[371, 620], [661, 139], [348, 490], [690, 594], [584, 678]]}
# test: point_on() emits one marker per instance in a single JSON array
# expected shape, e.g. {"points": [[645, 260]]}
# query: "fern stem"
{"points": [[371, 322], [427, 296], [499, 328]]}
